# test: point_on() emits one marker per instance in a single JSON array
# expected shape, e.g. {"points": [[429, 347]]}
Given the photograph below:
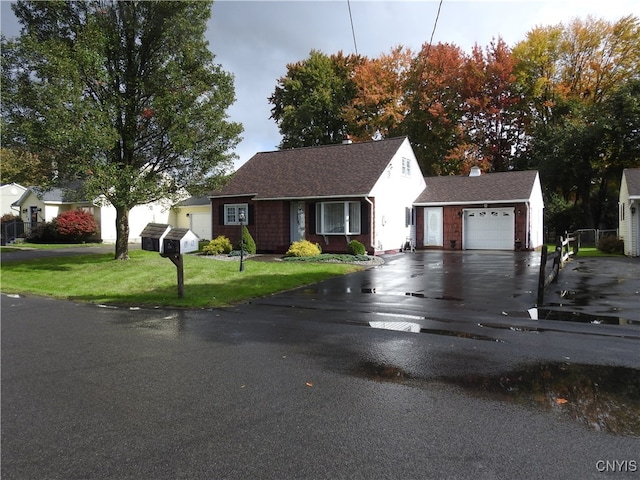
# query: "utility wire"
{"points": [[353, 32], [434, 30]]}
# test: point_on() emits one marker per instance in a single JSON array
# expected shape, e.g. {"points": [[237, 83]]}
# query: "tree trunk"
{"points": [[122, 233]]}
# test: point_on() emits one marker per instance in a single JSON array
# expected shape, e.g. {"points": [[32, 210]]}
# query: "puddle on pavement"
{"points": [[573, 316], [412, 327], [600, 398]]}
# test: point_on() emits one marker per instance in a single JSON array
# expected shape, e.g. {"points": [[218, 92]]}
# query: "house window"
{"points": [[232, 213], [406, 167], [338, 218], [409, 217]]}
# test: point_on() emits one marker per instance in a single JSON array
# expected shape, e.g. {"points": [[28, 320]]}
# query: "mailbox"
{"points": [[178, 241], [152, 236]]}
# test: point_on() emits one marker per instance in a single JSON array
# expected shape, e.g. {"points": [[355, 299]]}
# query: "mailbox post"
{"points": [[171, 243], [176, 242]]}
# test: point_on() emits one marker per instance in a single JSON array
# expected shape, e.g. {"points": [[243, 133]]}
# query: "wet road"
{"points": [[299, 385]]}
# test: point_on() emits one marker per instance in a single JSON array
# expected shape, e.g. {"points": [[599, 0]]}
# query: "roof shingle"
{"points": [[632, 175], [485, 188], [325, 171]]}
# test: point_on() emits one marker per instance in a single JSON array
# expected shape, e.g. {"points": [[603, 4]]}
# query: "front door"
{"points": [[433, 227], [297, 217]]}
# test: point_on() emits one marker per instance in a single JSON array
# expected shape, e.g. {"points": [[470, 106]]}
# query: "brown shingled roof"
{"points": [[342, 170], [486, 188], [632, 175]]}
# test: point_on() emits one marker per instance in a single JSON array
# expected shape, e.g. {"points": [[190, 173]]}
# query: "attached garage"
{"points": [[493, 211], [488, 229]]}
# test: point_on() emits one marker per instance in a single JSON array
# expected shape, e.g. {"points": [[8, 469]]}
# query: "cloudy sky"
{"points": [[255, 40]]}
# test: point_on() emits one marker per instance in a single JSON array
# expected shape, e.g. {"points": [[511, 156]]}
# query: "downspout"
{"points": [[528, 226], [372, 224]]}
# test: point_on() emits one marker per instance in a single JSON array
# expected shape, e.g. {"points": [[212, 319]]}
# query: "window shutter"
{"points": [[312, 219], [221, 215], [364, 218], [251, 214]]}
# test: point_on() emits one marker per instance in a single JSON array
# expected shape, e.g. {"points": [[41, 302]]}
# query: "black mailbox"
{"points": [[152, 236], [179, 241]]}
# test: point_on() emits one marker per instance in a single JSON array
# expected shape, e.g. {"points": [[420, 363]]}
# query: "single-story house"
{"points": [[37, 206], [193, 213], [492, 211], [9, 194], [629, 211], [329, 195]]}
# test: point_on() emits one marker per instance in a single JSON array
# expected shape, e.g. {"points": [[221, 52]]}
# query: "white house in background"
{"points": [[9, 194], [629, 211], [36, 205], [195, 214]]}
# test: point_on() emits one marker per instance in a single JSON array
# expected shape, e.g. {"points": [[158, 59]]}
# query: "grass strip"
{"points": [[147, 279]]}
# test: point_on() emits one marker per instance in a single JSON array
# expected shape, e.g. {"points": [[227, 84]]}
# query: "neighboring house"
{"points": [[9, 194], [629, 211], [493, 211], [328, 195], [36, 206], [195, 214]]}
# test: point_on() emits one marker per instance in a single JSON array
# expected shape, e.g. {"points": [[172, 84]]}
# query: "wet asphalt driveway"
{"points": [[299, 385]]}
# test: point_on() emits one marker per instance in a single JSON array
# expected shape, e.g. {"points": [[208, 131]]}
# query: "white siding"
{"points": [[536, 216], [394, 192], [628, 223]]}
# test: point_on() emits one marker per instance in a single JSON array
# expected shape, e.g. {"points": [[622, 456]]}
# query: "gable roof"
{"points": [[54, 195], [514, 186], [343, 170], [632, 176]]}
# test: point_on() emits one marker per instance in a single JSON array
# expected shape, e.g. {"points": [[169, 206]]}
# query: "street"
{"points": [[313, 384]]}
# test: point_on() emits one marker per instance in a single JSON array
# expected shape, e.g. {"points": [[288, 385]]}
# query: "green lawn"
{"points": [[147, 279]]}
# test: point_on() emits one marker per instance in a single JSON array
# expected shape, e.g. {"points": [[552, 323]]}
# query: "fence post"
{"points": [[542, 276]]}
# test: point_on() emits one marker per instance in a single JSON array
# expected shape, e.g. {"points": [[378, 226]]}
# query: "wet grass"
{"points": [[150, 280]]}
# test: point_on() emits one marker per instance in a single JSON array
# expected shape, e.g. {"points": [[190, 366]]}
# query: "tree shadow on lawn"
{"points": [[204, 295]]}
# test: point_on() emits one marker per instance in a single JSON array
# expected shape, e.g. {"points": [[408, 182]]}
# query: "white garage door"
{"points": [[488, 229], [201, 225]]}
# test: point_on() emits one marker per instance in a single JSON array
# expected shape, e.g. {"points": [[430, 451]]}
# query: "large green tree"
{"points": [[308, 100], [123, 95], [579, 82]]}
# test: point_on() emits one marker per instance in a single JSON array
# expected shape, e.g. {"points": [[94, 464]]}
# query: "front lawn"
{"points": [[147, 279]]}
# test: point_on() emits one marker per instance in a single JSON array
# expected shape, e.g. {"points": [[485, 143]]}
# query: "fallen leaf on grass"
{"points": [[561, 401]]}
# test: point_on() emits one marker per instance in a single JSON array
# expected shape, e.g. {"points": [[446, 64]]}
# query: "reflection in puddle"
{"points": [[601, 398], [417, 328], [573, 316], [398, 326]]}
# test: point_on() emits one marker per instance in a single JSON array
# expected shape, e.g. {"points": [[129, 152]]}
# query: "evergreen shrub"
{"points": [[356, 248]]}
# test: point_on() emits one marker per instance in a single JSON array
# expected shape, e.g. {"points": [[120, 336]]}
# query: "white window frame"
{"points": [[349, 226], [233, 210], [406, 167]]}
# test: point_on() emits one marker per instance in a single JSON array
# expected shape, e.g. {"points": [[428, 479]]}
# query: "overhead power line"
{"points": [[353, 32], [435, 23]]}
